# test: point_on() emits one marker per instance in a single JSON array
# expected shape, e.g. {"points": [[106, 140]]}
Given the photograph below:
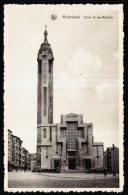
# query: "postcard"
{"points": [[63, 100]]}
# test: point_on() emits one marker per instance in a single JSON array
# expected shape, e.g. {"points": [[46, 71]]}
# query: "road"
{"points": [[61, 180]]}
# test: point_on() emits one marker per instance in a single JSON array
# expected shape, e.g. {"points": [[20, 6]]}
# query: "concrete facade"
{"points": [[45, 97], [69, 144]]}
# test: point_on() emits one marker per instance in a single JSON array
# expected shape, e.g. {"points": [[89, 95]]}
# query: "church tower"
{"points": [[45, 93], [45, 83]]}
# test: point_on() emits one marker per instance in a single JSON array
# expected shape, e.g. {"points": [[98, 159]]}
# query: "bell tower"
{"points": [[44, 97], [45, 83]]}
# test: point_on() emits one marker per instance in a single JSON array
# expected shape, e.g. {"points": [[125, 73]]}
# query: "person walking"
{"points": [[105, 172]]}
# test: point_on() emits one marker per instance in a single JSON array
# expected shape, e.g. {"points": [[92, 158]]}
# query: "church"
{"points": [[70, 143]]}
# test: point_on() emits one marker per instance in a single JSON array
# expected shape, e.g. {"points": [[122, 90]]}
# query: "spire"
{"points": [[45, 35]]}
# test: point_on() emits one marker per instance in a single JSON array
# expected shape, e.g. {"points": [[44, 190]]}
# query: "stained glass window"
{"points": [[71, 134]]}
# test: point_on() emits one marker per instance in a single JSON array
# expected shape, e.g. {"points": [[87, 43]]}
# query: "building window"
{"points": [[39, 67], [44, 133], [71, 144], [72, 127], [44, 72], [50, 139], [71, 134], [50, 63], [46, 151], [45, 100], [63, 132], [80, 133], [49, 67]]}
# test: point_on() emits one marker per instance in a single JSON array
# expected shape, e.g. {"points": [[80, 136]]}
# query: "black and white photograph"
{"points": [[63, 100]]}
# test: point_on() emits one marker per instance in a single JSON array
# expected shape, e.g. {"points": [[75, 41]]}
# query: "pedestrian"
{"points": [[105, 172]]}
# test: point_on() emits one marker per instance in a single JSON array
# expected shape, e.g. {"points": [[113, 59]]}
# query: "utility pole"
{"points": [[87, 141], [97, 153], [114, 172]]}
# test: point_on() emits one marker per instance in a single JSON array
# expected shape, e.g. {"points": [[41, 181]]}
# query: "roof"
{"points": [[71, 114], [9, 130]]}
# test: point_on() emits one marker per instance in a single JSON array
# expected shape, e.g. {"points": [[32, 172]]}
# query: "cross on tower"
{"points": [[45, 35]]}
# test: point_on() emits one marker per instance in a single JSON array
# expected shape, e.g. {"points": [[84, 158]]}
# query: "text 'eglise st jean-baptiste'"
{"points": [[85, 17]]}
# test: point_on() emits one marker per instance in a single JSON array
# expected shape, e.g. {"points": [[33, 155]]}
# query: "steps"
{"points": [[72, 171]]}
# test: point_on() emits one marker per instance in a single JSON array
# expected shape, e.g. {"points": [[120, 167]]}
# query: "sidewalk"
{"points": [[57, 176], [78, 176], [61, 180]]}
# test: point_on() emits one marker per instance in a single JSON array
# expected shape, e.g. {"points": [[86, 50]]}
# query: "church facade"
{"points": [[69, 144]]}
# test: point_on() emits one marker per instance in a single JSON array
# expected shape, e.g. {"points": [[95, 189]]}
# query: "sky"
{"points": [[87, 68]]}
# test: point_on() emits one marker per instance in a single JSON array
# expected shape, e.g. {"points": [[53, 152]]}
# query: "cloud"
{"points": [[78, 71], [66, 81], [84, 63], [107, 89], [82, 74]]}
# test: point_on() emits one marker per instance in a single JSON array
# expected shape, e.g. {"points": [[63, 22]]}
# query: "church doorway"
{"points": [[87, 163], [72, 163], [56, 164]]}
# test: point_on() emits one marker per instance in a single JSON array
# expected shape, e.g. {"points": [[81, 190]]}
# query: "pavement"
{"points": [[61, 180], [77, 176]]}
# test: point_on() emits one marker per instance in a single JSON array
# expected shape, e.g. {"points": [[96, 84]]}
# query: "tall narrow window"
{"points": [[44, 71], [49, 68], [50, 134], [46, 151], [50, 63], [44, 133], [45, 100], [39, 67], [71, 134]]}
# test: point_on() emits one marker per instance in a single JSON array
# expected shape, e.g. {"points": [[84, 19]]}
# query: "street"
{"points": [[61, 180]]}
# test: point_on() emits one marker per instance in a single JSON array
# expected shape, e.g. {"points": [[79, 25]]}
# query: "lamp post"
{"points": [[83, 158], [87, 141], [114, 172], [97, 153]]}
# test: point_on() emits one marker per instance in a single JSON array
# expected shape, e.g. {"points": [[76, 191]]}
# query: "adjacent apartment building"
{"points": [[33, 161], [18, 157], [68, 144], [111, 159]]}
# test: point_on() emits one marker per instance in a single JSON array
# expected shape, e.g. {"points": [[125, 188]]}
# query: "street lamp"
{"points": [[97, 153], [87, 141], [114, 172]]}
